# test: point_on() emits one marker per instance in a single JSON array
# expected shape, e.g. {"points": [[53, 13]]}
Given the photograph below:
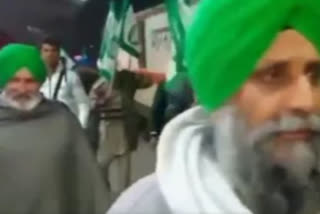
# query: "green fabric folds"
{"points": [[228, 37], [14, 57]]}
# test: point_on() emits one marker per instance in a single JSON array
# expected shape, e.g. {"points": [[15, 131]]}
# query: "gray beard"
{"points": [[263, 184], [22, 105]]}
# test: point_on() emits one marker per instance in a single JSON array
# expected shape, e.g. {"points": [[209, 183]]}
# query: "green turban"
{"points": [[14, 57], [228, 37]]}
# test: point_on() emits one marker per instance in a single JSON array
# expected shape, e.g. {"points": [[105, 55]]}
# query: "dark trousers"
{"points": [[159, 107]]}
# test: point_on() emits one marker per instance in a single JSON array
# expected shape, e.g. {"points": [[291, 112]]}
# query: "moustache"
{"points": [[287, 123], [23, 97]]}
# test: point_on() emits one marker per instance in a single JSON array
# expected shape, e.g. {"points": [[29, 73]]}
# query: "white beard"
{"points": [[23, 105], [301, 161], [247, 157]]}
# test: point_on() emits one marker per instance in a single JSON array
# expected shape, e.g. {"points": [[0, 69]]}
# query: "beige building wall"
{"points": [[157, 47]]}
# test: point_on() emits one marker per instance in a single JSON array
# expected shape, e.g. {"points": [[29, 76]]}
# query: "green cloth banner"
{"points": [[129, 37], [120, 31], [110, 45], [180, 13]]}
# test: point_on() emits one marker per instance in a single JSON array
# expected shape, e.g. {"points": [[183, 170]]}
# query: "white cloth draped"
{"points": [[188, 172]]}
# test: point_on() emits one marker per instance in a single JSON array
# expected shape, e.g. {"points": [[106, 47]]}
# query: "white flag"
{"points": [[121, 32], [180, 14], [110, 42]]}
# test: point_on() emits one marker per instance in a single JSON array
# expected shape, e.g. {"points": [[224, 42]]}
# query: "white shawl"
{"points": [[189, 175]]}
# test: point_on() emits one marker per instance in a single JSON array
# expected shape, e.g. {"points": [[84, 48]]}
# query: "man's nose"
{"points": [[22, 87], [300, 97]]}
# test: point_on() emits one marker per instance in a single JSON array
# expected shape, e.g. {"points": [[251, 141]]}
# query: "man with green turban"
{"points": [[253, 147], [46, 165], [21, 60]]}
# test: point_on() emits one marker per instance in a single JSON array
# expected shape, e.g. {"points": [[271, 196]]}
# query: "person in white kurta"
{"points": [[71, 91]]}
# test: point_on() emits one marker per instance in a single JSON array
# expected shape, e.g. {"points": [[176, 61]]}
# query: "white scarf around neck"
{"points": [[189, 175]]}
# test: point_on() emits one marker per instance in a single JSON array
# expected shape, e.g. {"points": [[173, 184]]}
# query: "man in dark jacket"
{"points": [[124, 126], [46, 166]]}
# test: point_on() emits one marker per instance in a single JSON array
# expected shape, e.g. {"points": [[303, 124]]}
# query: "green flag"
{"points": [[120, 31], [129, 38], [180, 13], [110, 40]]}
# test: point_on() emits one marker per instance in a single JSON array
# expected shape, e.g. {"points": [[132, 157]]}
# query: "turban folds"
{"points": [[14, 57], [228, 37]]}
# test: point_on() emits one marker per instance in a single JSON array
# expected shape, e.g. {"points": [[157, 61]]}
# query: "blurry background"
{"points": [[77, 23]]}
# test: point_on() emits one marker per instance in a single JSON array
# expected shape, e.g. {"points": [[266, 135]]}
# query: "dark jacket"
{"points": [[170, 100], [127, 83], [46, 165]]}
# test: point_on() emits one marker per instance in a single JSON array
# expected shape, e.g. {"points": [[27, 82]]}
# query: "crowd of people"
{"points": [[238, 133], [61, 115]]}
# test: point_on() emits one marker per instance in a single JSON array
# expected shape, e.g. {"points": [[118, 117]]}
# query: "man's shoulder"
{"points": [[144, 196], [60, 112], [72, 75]]}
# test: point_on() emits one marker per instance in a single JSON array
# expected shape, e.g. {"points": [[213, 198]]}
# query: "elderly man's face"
{"points": [[286, 82], [22, 92], [276, 123]]}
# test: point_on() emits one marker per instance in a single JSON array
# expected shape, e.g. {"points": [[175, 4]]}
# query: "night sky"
{"points": [[76, 23], [142, 4]]}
